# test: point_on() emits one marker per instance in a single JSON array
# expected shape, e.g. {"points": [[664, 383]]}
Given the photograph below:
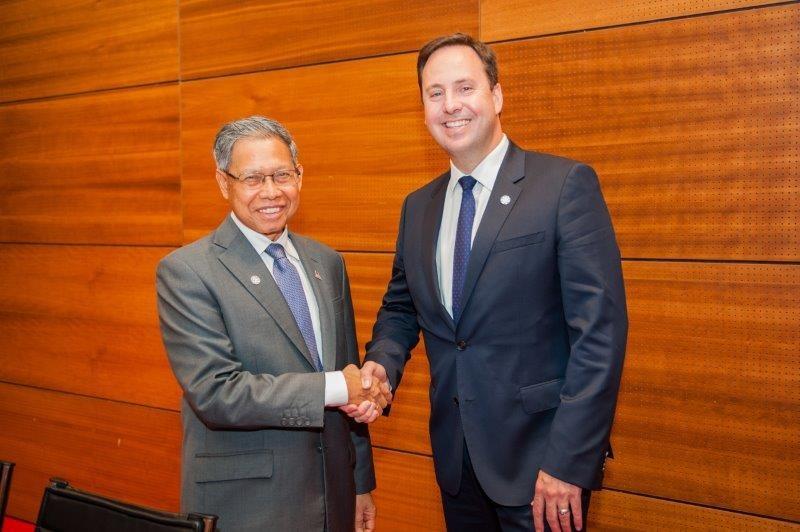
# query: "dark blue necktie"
{"points": [[466, 215], [288, 280]]}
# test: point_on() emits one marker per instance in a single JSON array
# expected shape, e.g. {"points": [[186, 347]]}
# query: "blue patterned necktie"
{"points": [[288, 280], [466, 216]]}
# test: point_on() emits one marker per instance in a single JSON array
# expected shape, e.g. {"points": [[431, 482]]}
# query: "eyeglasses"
{"points": [[281, 178]]}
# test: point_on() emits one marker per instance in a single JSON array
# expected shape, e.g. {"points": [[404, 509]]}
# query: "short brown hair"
{"points": [[485, 53]]}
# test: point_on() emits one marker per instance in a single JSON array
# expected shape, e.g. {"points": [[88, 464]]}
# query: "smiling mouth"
{"points": [[269, 210], [453, 124]]}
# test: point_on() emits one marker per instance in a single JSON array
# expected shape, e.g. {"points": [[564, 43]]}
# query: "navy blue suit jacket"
{"points": [[529, 375]]}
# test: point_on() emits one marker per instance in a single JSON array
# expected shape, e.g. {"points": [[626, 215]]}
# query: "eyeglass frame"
{"points": [[297, 173]]}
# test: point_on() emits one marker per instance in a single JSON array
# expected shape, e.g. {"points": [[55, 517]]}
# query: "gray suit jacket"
{"points": [[528, 376], [259, 448]]}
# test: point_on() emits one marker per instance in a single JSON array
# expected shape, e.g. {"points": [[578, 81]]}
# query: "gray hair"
{"points": [[247, 128]]}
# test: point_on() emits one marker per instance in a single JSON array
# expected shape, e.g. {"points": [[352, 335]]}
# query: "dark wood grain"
{"points": [[510, 19], [123, 451], [692, 125], [51, 47], [362, 155], [223, 37], [99, 169], [83, 319]]}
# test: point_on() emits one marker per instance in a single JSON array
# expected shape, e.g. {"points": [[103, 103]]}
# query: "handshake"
{"points": [[368, 392]]}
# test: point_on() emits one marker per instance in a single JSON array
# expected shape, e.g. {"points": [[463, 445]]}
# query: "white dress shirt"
{"points": [[335, 385], [485, 174]]}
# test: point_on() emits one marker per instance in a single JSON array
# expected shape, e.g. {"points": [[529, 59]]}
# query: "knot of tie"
{"points": [[467, 182], [276, 251]]}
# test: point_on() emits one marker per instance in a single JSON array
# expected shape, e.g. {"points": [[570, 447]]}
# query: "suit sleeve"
{"points": [[359, 432], [396, 329], [593, 297], [222, 394]]}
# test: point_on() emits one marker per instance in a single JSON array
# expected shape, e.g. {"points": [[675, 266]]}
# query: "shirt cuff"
{"points": [[335, 389]]}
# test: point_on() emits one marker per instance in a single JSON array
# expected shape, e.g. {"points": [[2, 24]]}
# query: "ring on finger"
{"points": [[563, 511]]}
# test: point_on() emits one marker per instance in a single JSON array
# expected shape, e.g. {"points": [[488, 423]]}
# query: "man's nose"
{"points": [[268, 189], [452, 103]]}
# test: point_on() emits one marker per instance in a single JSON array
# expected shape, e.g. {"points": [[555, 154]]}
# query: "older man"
{"points": [[509, 265], [259, 330]]}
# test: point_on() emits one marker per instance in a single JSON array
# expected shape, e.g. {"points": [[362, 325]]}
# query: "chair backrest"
{"points": [[65, 509], [6, 469]]}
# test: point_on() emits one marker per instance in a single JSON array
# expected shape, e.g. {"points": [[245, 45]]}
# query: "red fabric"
{"points": [[15, 525]]}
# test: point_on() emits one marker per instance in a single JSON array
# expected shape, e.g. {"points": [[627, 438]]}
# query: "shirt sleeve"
{"points": [[335, 389]]}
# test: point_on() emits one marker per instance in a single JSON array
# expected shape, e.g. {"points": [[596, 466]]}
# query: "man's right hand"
{"points": [[358, 392], [371, 377]]}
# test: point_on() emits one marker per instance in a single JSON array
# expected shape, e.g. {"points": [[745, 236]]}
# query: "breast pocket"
{"points": [[518, 242]]}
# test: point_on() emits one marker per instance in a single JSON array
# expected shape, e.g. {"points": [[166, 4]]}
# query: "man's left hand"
{"points": [[365, 513], [551, 498]]}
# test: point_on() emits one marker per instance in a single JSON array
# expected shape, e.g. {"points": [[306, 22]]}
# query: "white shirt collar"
{"points": [[260, 242], [486, 171]]}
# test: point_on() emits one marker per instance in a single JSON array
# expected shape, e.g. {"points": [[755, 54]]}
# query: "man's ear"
{"points": [[299, 176], [222, 181], [497, 96]]}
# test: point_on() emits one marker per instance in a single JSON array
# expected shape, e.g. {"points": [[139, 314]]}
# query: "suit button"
{"points": [[308, 423], [455, 400], [461, 345], [283, 422]]}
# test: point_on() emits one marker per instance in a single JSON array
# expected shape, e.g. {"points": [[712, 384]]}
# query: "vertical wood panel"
{"points": [[693, 126], [223, 37], [51, 47], [83, 319], [709, 410], [362, 152], [123, 451], [100, 169], [512, 19]]}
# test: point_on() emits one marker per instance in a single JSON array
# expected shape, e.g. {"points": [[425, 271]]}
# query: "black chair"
{"points": [[6, 470], [65, 509]]}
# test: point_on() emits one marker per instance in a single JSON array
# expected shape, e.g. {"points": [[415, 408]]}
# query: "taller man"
{"points": [[509, 265], [258, 324]]}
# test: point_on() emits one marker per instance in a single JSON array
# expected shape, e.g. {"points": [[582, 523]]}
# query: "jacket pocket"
{"points": [[517, 242], [217, 467], [541, 396]]}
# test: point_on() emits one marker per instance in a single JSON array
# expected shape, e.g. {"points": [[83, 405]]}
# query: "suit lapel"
{"points": [[320, 280], [243, 262], [431, 225], [511, 171]]}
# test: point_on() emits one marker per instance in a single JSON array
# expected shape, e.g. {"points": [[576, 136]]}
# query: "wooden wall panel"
{"points": [[92, 169], [710, 404], [243, 36], [407, 426], [709, 410], [83, 320], [692, 125], [408, 500], [51, 47], [511, 19], [614, 511], [119, 450], [362, 155], [407, 497]]}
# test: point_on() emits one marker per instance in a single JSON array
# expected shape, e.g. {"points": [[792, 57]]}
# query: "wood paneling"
{"points": [[244, 36], [51, 47], [362, 154], [511, 19], [613, 511], [692, 125], [407, 497], [92, 169], [710, 405], [119, 450], [709, 410], [83, 319], [407, 426]]}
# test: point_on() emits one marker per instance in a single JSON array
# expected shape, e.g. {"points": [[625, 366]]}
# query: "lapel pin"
{"points": [[255, 279], [505, 199], [317, 275]]}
